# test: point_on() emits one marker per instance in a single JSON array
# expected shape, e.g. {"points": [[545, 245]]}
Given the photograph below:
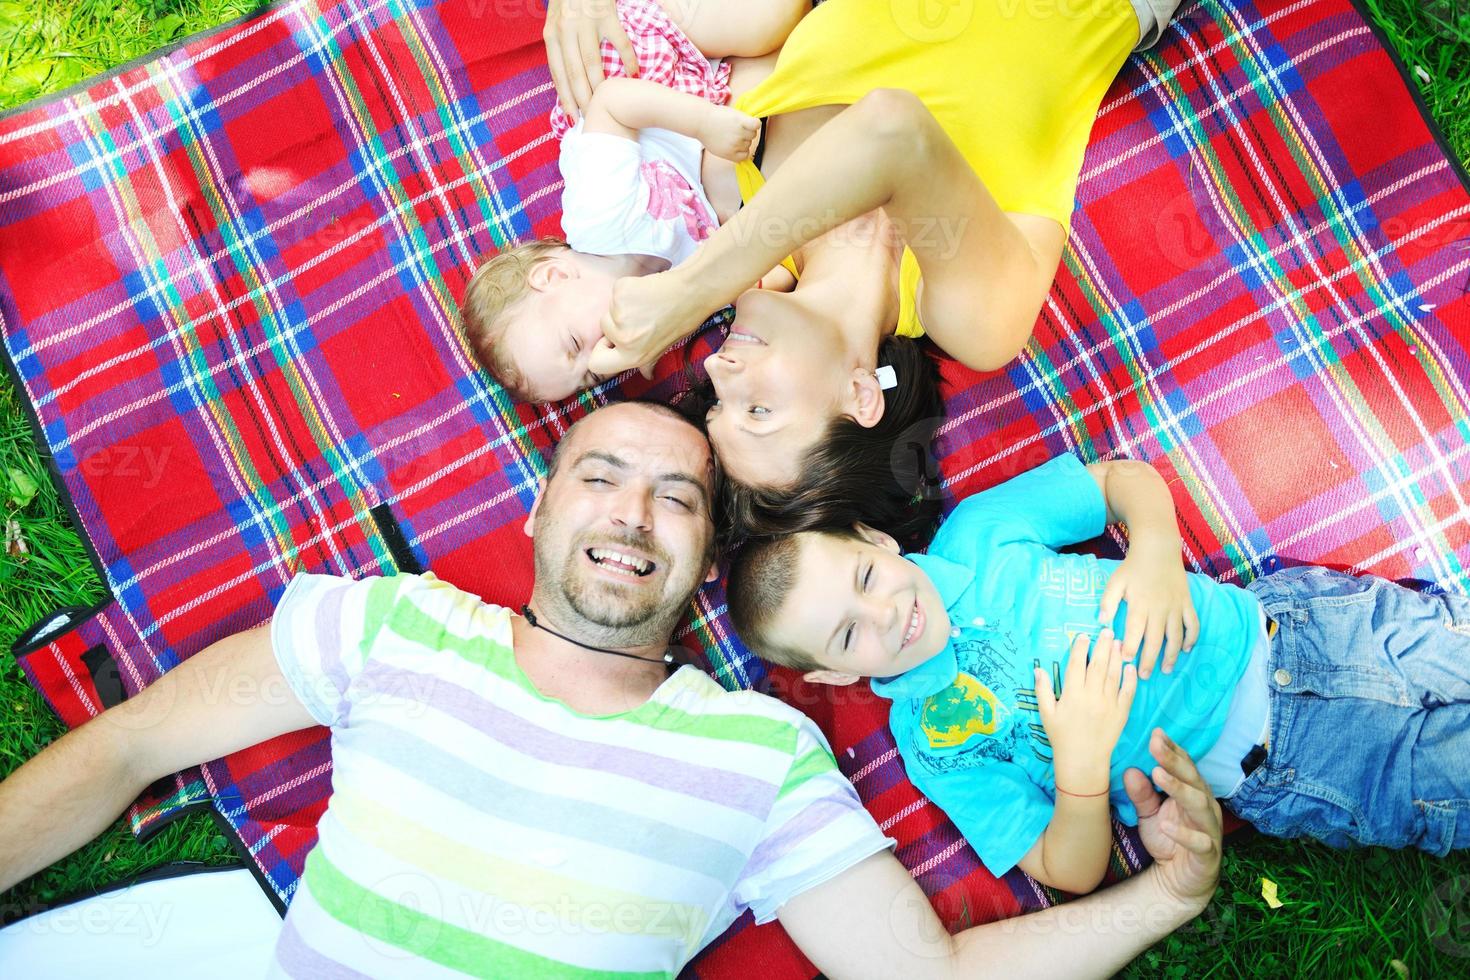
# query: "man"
{"points": [[540, 796]]}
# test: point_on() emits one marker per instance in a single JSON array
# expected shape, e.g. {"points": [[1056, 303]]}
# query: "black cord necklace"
{"points": [[668, 657]]}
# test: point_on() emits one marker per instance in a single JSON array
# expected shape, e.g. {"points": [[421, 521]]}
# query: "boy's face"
{"points": [[860, 609], [552, 331]]}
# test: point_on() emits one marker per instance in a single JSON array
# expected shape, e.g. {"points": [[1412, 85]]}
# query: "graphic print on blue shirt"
{"points": [[987, 713]]}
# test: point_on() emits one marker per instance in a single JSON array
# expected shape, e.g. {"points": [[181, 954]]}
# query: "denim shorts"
{"points": [[1369, 689]]}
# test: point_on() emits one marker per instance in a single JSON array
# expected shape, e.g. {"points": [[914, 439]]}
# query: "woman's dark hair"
{"points": [[884, 476]]}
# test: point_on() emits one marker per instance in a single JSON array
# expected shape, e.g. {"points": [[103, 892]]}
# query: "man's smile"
{"points": [[620, 562]]}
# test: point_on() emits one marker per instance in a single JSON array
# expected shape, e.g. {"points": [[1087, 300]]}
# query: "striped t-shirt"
{"points": [[477, 827]]}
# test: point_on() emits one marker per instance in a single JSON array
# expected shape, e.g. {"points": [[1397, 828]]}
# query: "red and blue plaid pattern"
{"points": [[665, 56], [228, 279]]}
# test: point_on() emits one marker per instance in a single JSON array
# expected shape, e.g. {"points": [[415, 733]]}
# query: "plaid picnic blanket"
{"points": [[227, 284]]}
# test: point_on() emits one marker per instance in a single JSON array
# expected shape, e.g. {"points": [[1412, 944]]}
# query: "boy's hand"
{"points": [[729, 133], [1084, 722], [1161, 613]]}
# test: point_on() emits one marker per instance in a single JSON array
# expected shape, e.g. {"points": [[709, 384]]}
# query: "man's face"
{"points": [[859, 608], [623, 528]]}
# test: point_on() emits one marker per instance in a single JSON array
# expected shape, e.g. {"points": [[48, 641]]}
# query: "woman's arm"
{"points": [[984, 278], [623, 106]]}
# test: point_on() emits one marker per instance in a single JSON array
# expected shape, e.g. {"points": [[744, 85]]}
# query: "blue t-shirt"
{"points": [[966, 720]]}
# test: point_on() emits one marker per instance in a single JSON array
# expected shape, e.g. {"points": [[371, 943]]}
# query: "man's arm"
{"points": [[873, 920], [228, 696]]}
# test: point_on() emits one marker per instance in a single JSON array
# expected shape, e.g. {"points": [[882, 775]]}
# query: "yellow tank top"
{"points": [[1015, 84]]}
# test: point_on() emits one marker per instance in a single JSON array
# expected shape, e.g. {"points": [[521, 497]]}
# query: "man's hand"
{"points": [[647, 316], [1084, 722], [873, 920], [573, 34], [729, 133], [1161, 612], [1182, 831]]}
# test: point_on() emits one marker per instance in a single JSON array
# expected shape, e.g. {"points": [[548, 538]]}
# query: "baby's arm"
{"points": [[623, 106], [1151, 579], [1082, 725]]}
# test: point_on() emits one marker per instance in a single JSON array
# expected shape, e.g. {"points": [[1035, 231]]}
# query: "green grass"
{"points": [[45, 47], [1344, 914], [56, 572]]}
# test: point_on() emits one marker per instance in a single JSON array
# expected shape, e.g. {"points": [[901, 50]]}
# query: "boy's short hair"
{"points": [[496, 288], [762, 578]]}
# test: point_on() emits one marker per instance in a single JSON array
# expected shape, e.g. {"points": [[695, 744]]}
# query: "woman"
{"points": [[943, 144]]}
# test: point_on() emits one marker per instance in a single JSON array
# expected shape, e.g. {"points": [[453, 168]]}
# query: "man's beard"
{"points": [[593, 609], [598, 604]]}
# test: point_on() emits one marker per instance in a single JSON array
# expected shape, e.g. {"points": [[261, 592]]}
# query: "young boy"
{"points": [[1317, 703], [635, 168]]}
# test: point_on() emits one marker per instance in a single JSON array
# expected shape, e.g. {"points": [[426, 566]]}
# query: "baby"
{"points": [[635, 168], [1318, 703]]}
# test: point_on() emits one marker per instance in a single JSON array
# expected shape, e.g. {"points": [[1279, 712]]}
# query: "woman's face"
{"points": [[781, 376]]}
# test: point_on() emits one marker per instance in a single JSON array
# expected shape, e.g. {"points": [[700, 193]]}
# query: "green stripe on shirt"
{"points": [[431, 938]]}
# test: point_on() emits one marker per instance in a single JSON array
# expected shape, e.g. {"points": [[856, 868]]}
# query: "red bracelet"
{"points": [[1081, 795]]}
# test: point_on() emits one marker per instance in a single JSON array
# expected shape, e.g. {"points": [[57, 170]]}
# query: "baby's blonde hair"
{"points": [[496, 288]]}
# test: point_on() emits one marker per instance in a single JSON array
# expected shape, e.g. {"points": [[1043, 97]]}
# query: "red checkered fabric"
{"points": [[665, 55], [237, 339]]}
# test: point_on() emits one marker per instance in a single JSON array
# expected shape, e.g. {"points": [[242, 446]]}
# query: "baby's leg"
{"points": [[721, 29]]}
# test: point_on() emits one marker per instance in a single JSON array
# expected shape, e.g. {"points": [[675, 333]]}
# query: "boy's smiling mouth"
{"points": [[916, 626]]}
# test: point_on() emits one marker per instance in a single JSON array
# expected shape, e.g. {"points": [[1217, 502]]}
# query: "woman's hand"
{"points": [[1161, 612], [1084, 721], [647, 316], [573, 35]]}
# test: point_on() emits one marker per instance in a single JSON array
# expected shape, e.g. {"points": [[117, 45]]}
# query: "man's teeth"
{"points": [[618, 562], [745, 337], [913, 626]]}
